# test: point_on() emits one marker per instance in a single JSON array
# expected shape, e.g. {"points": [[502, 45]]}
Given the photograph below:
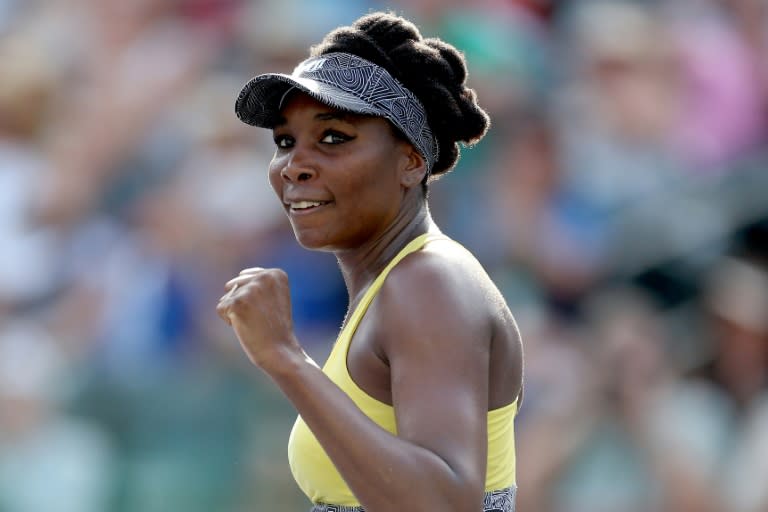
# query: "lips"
{"points": [[304, 205]]}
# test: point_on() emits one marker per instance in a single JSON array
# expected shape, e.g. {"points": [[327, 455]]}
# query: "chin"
{"points": [[312, 241]]}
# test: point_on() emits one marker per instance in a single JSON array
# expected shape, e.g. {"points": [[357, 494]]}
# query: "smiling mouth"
{"points": [[300, 206]]}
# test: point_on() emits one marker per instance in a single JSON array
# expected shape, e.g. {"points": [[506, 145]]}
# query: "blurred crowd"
{"points": [[620, 201]]}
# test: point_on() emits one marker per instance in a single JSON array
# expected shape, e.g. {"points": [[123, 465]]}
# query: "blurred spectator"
{"points": [[48, 459], [618, 110], [724, 93], [601, 448], [26, 260], [729, 395]]}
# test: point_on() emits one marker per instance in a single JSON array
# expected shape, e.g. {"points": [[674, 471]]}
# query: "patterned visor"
{"points": [[347, 82]]}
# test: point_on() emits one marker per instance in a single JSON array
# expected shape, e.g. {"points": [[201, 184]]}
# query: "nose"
{"points": [[298, 167]]}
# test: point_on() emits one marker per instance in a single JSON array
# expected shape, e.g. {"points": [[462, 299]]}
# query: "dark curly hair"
{"points": [[433, 70]]}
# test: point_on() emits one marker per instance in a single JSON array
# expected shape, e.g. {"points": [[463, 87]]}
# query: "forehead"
{"points": [[299, 106]]}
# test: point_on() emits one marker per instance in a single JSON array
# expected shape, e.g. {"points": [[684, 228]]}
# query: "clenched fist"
{"points": [[258, 307]]}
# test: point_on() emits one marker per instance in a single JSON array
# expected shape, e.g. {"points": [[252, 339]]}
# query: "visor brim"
{"points": [[259, 102]]}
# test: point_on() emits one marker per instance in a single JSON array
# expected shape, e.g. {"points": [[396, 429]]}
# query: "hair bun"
{"points": [[434, 70]]}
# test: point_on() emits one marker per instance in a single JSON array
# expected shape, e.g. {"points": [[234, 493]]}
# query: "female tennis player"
{"points": [[414, 408]]}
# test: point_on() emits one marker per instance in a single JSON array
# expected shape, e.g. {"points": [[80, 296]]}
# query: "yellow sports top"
{"points": [[312, 468]]}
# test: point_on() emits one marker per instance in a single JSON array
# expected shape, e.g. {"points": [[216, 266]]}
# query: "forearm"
{"points": [[383, 471]]}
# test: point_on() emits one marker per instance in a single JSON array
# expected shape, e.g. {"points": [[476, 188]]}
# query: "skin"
{"points": [[438, 342]]}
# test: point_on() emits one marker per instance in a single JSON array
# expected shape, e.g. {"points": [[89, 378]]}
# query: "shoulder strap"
{"points": [[412, 246]]}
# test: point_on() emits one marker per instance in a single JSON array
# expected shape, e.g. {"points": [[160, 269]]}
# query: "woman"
{"points": [[414, 408]]}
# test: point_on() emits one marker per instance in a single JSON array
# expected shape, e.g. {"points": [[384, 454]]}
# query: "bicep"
{"points": [[438, 351]]}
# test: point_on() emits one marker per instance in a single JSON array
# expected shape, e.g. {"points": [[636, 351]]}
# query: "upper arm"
{"points": [[433, 326]]}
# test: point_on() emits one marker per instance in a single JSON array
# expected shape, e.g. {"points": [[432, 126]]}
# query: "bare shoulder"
{"points": [[443, 284], [445, 265], [440, 300]]}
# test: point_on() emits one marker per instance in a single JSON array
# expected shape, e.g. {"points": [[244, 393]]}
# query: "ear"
{"points": [[413, 168]]}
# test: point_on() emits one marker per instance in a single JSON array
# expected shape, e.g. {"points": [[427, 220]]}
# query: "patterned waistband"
{"points": [[502, 500]]}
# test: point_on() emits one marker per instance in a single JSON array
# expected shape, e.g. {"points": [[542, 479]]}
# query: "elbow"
{"points": [[456, 496], [425, 500], [467, 499], [444, 487], [462, 495], [462, 489]]}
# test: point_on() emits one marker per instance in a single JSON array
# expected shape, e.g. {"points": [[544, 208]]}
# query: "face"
{"points": [[342, 178]]}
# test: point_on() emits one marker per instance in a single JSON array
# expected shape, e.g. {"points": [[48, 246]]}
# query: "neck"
{"points": [[361, 265]]}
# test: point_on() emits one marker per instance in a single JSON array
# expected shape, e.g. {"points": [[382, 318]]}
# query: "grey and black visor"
{"points": [[346, 82]]}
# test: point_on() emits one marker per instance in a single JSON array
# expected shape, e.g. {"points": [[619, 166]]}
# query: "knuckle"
{"points": [[222, 311], [238, 301], [278, 275]]}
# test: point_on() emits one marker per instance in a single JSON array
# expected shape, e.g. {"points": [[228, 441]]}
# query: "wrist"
{"points": [[285, 362]]}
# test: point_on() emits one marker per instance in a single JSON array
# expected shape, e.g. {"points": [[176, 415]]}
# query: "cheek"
{"points": [[375, 196], [273, 174]]}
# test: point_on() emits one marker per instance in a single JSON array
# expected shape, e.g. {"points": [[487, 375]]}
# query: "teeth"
{"points": [[300, 205]]}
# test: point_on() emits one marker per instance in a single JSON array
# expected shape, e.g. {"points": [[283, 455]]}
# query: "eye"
{"points": [[283, 141], [334, 137]]}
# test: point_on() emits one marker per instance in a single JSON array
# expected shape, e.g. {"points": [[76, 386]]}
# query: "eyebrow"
{"points": [[330, 116]]}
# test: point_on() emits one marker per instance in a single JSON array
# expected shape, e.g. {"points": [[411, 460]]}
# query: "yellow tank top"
{"points": [[312, 468]]}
